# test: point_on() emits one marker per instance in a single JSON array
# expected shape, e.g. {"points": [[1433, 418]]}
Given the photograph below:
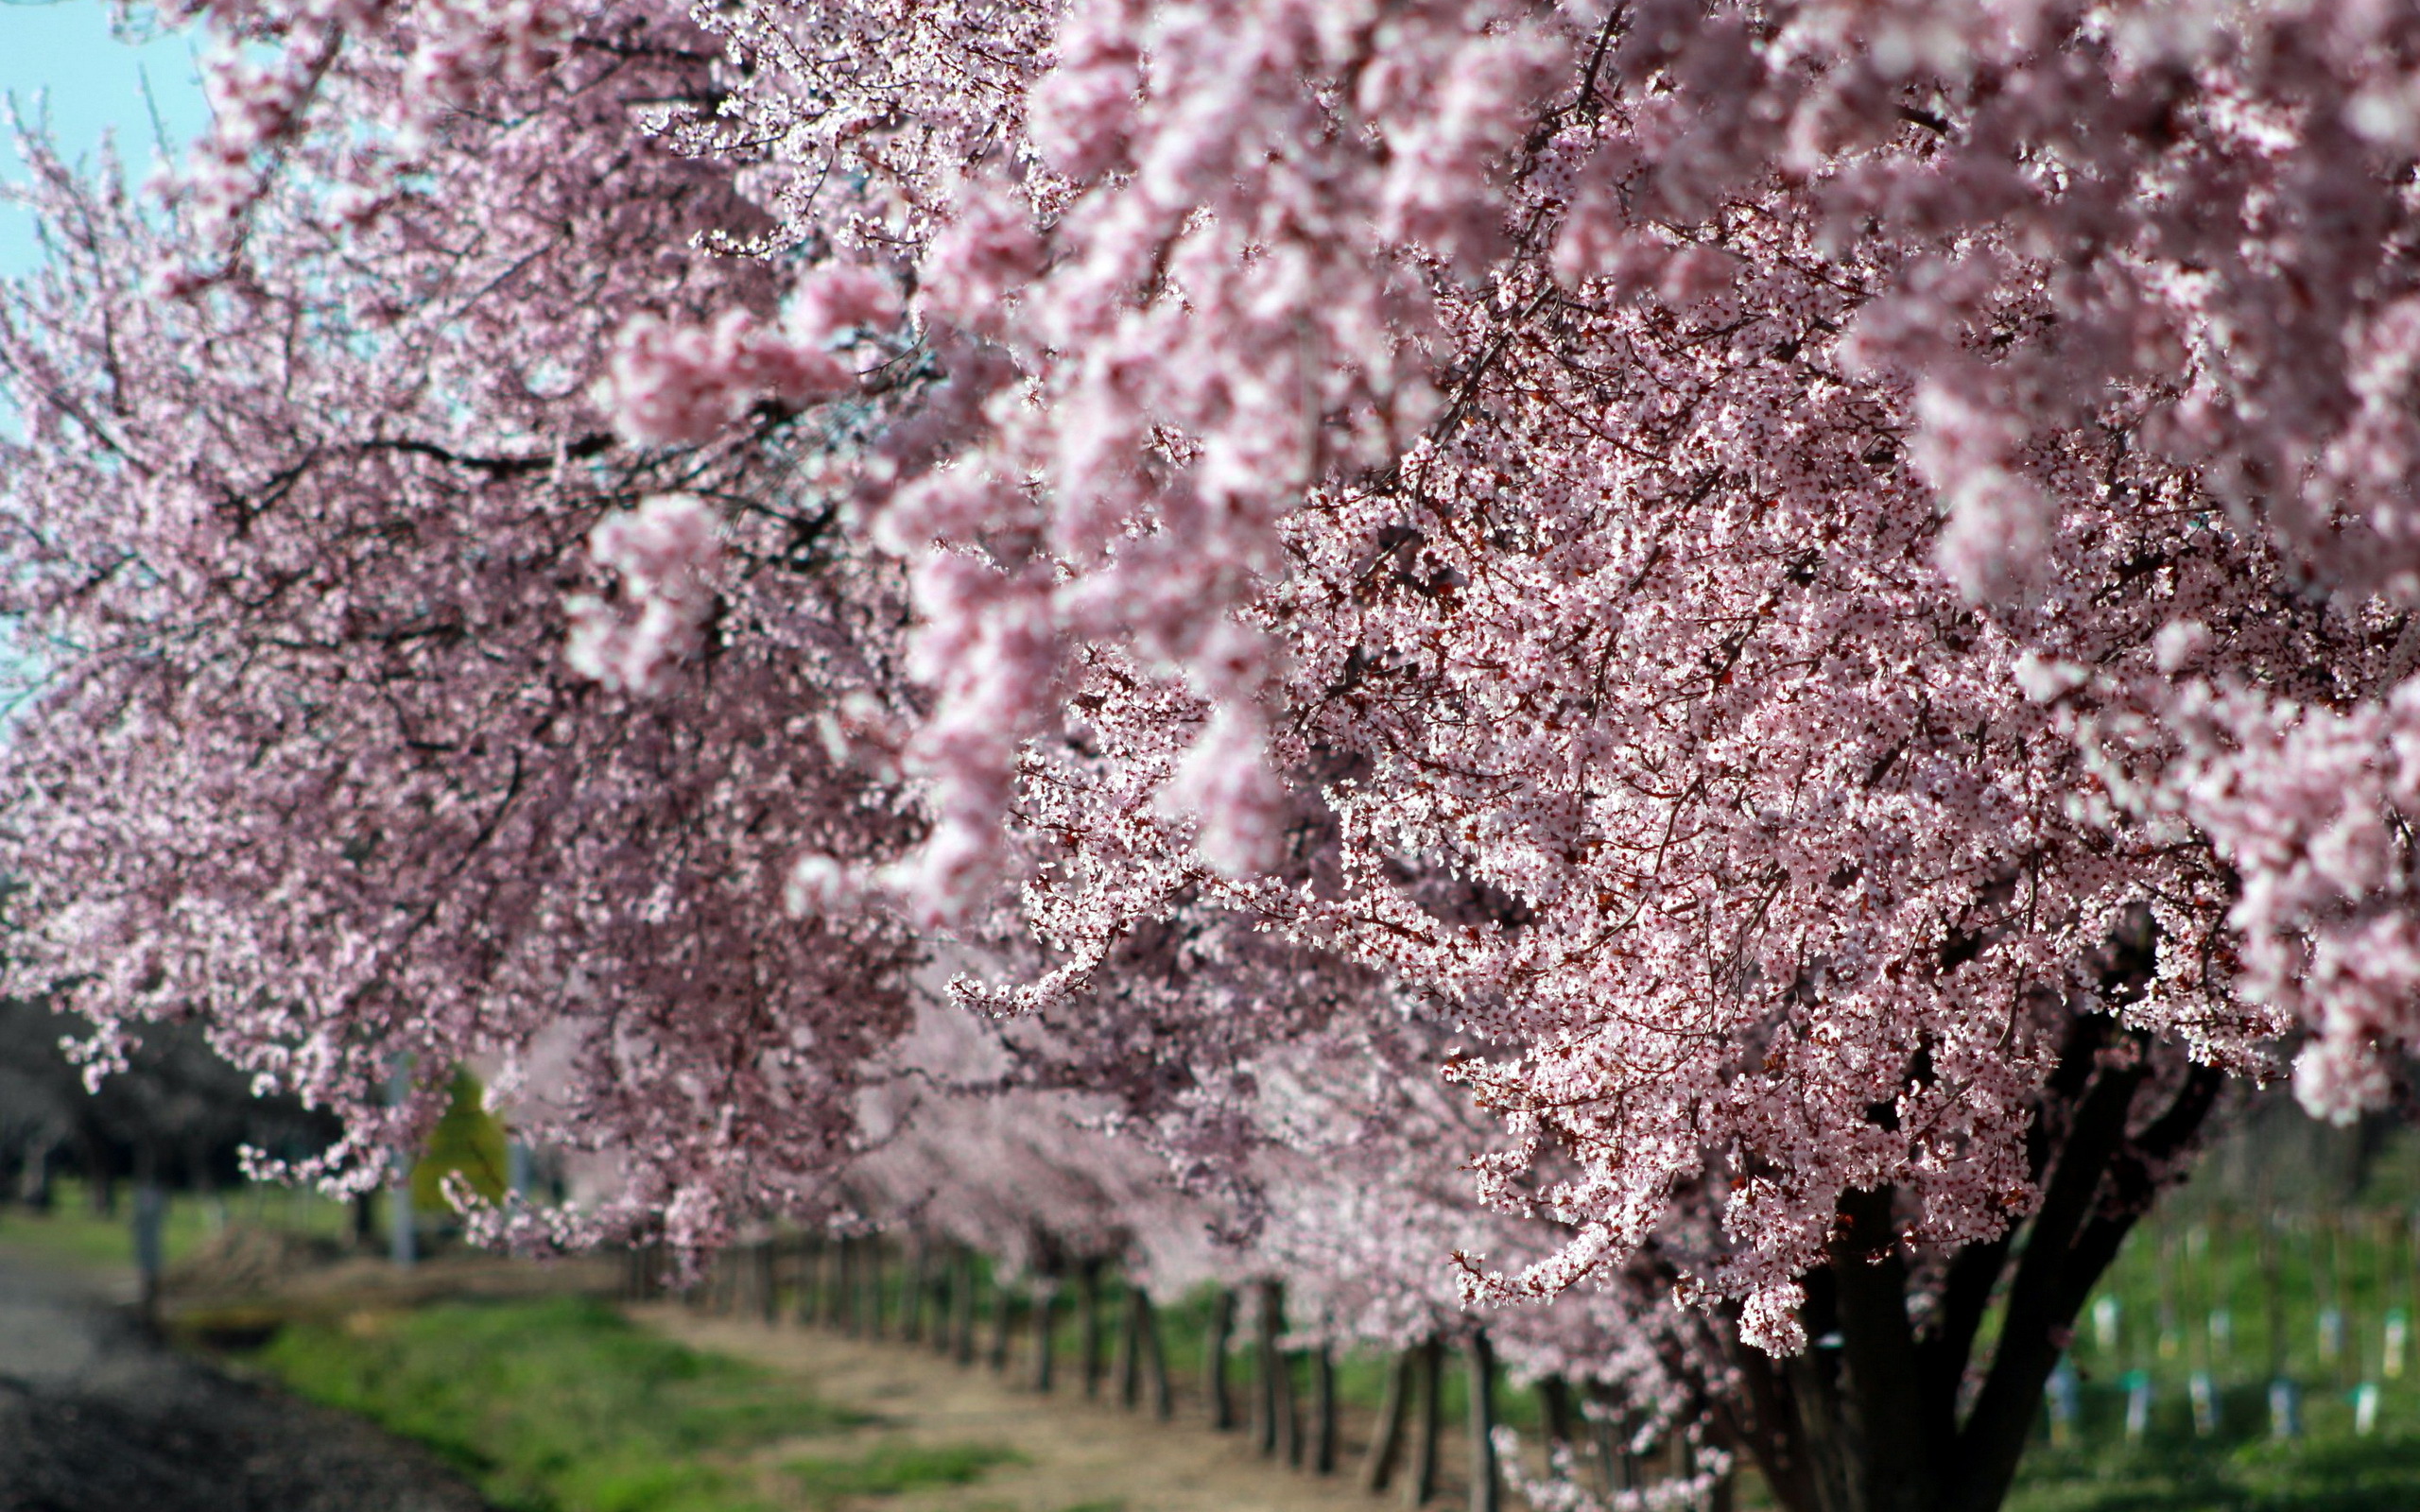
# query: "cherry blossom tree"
{"points": [[387, 702], [1823, 588]]}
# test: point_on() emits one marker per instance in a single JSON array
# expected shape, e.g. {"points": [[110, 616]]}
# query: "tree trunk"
{"points": [[100, 1178], [810, 1277], [1289, 1416], [1269, 1320], [962, 1308], [1386, 1437], [1004, 1306], [1214, 1362], [911, 1302], [943, 1323], [1478, 1358], [1617, 1466], [1561, 1417], [1129, 1348], [1089, 1331], [1045, 1317], [1163, 1389], [1427, 1423], [869, 1301], [1875, 1415], [840, 1285], [769, 1283], [150, 1223], [1324, 1411]]}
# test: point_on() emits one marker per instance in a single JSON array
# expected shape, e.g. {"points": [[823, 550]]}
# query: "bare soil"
{"points": [[96, 1415], [1083, 1454]]}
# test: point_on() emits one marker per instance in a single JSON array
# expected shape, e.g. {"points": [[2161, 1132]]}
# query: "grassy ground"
{"points": [[527, 1397], [72, 1234], [2319, 1294], [561, 1405], [887, 1469], [2380, 1473]]}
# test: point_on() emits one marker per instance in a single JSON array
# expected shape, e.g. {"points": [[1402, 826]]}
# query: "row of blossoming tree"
{"points": [[1705, 665]]}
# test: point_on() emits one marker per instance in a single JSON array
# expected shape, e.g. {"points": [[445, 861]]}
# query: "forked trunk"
{"points": [[1385, 1439], [1869, 1417]]}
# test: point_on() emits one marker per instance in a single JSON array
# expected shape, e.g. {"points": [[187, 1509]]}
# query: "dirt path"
{"points": [[96, 1416], [1081, 1455]]}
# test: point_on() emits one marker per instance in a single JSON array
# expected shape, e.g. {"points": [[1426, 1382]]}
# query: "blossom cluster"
{"points": [[1723, 607]]}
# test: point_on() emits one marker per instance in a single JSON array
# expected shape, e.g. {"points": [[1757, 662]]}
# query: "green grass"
{"points": [[2273, 1273], [558, 1405], [890, 1468], [2171, 1472], [72, 1234]]}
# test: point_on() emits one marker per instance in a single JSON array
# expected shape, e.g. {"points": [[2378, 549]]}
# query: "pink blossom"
{"points": [[665, 553], [680, 385]]}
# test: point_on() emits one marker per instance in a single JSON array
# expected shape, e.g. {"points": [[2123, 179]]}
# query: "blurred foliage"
{"points": [[468, 1140]]}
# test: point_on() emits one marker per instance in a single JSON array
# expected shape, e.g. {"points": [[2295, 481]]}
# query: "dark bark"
{"points": [[1386, 1436], [948, 1278], [962, 1308], [1289, 1416], [1163, 1389], [1616, 1465], [1214, 1363], [1089, 1332], [1004, 1307], [914, 1288], [870, 1299], [1129, 1348], [810, 1276], [2067, 1245], [1045, 1317], [839, 1282], [1562, 1414], [1478, 1358], [768, 1298], [1268, 1367], [1324, 1411], [1867, 1419], [1427, 1423]]}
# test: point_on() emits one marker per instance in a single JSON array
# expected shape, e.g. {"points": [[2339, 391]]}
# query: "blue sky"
{"points": [[92, 82]]}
